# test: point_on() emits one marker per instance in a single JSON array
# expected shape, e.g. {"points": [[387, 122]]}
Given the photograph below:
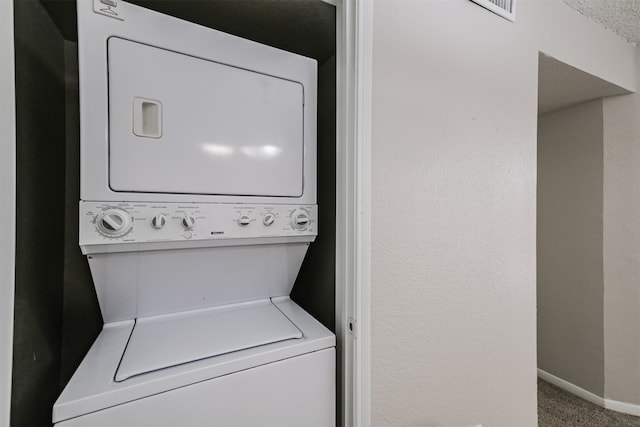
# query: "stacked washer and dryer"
{"points": [[198, 204]]}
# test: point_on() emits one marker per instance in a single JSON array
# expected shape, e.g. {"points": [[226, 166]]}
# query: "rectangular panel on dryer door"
{"points": [[186, 125]]}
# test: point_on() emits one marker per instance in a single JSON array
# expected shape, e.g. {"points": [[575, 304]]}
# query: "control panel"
{"points": [[105, 223]]}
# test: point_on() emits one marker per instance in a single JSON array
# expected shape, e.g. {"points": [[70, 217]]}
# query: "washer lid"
{"points": [[163, 341]]}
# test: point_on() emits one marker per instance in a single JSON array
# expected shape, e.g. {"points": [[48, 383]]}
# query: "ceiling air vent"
{"points": [[504, 8]]}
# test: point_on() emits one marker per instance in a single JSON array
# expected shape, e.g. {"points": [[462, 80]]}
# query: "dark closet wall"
{"points": [[314, 289], [56, 313], [40, 214]]}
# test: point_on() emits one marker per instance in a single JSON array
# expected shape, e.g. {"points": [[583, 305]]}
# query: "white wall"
{"points": [[621, 246], [570, 283], [454, 203], [7, 205]]}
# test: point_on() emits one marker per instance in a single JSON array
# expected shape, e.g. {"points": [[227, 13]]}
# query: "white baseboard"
{"points": [[627, 408], [571, 388], [614, 405]]}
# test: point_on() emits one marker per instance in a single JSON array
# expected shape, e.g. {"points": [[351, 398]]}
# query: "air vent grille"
{"points": [[504, 8]]}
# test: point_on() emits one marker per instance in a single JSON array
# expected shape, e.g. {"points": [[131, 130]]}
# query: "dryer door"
{"points": [[181, 124]]}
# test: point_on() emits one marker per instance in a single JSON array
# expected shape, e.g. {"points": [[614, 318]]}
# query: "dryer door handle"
{"points": [[147, 118]]}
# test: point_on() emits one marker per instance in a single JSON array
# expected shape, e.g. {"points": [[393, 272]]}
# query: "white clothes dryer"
{"points": [[198, 204]]}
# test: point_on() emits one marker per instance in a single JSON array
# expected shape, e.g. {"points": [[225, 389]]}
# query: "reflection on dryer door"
{"points": [[180, 124]]}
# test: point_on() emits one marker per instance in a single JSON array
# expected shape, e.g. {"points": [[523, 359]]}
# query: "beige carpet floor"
{"points": [[558, 408]]}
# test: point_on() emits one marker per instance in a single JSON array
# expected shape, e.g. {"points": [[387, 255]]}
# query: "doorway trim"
{"points": [[354, 31], [7, 206]]}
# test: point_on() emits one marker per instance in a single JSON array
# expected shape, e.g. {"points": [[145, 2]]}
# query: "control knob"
{"points": [[114, 222], [268, 219], [244, 220], [188, 222], [300, 220], [158, 221]]}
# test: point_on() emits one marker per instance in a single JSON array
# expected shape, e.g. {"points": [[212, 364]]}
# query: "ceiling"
{"points": [[620, 16]]}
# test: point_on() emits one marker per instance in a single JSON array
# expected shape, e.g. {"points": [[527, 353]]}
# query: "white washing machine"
{"points": [[198, 204]]}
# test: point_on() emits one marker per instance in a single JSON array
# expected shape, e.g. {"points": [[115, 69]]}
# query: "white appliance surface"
{"points": [[132, 285], [163, 341], [198, 189], [162, 225], [176, 112], [239, 132], [296, 392], [93, 388]]}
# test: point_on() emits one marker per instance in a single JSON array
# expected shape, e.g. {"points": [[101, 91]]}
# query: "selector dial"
{"points": [[158, 221], [300, 220], [114, 222], [188, 222], [244, 220], [268, 219]]}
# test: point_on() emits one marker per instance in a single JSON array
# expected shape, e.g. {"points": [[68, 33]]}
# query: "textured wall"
{"points": [[622, 248], [453, 218], [454, 203], [570, 271]]}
